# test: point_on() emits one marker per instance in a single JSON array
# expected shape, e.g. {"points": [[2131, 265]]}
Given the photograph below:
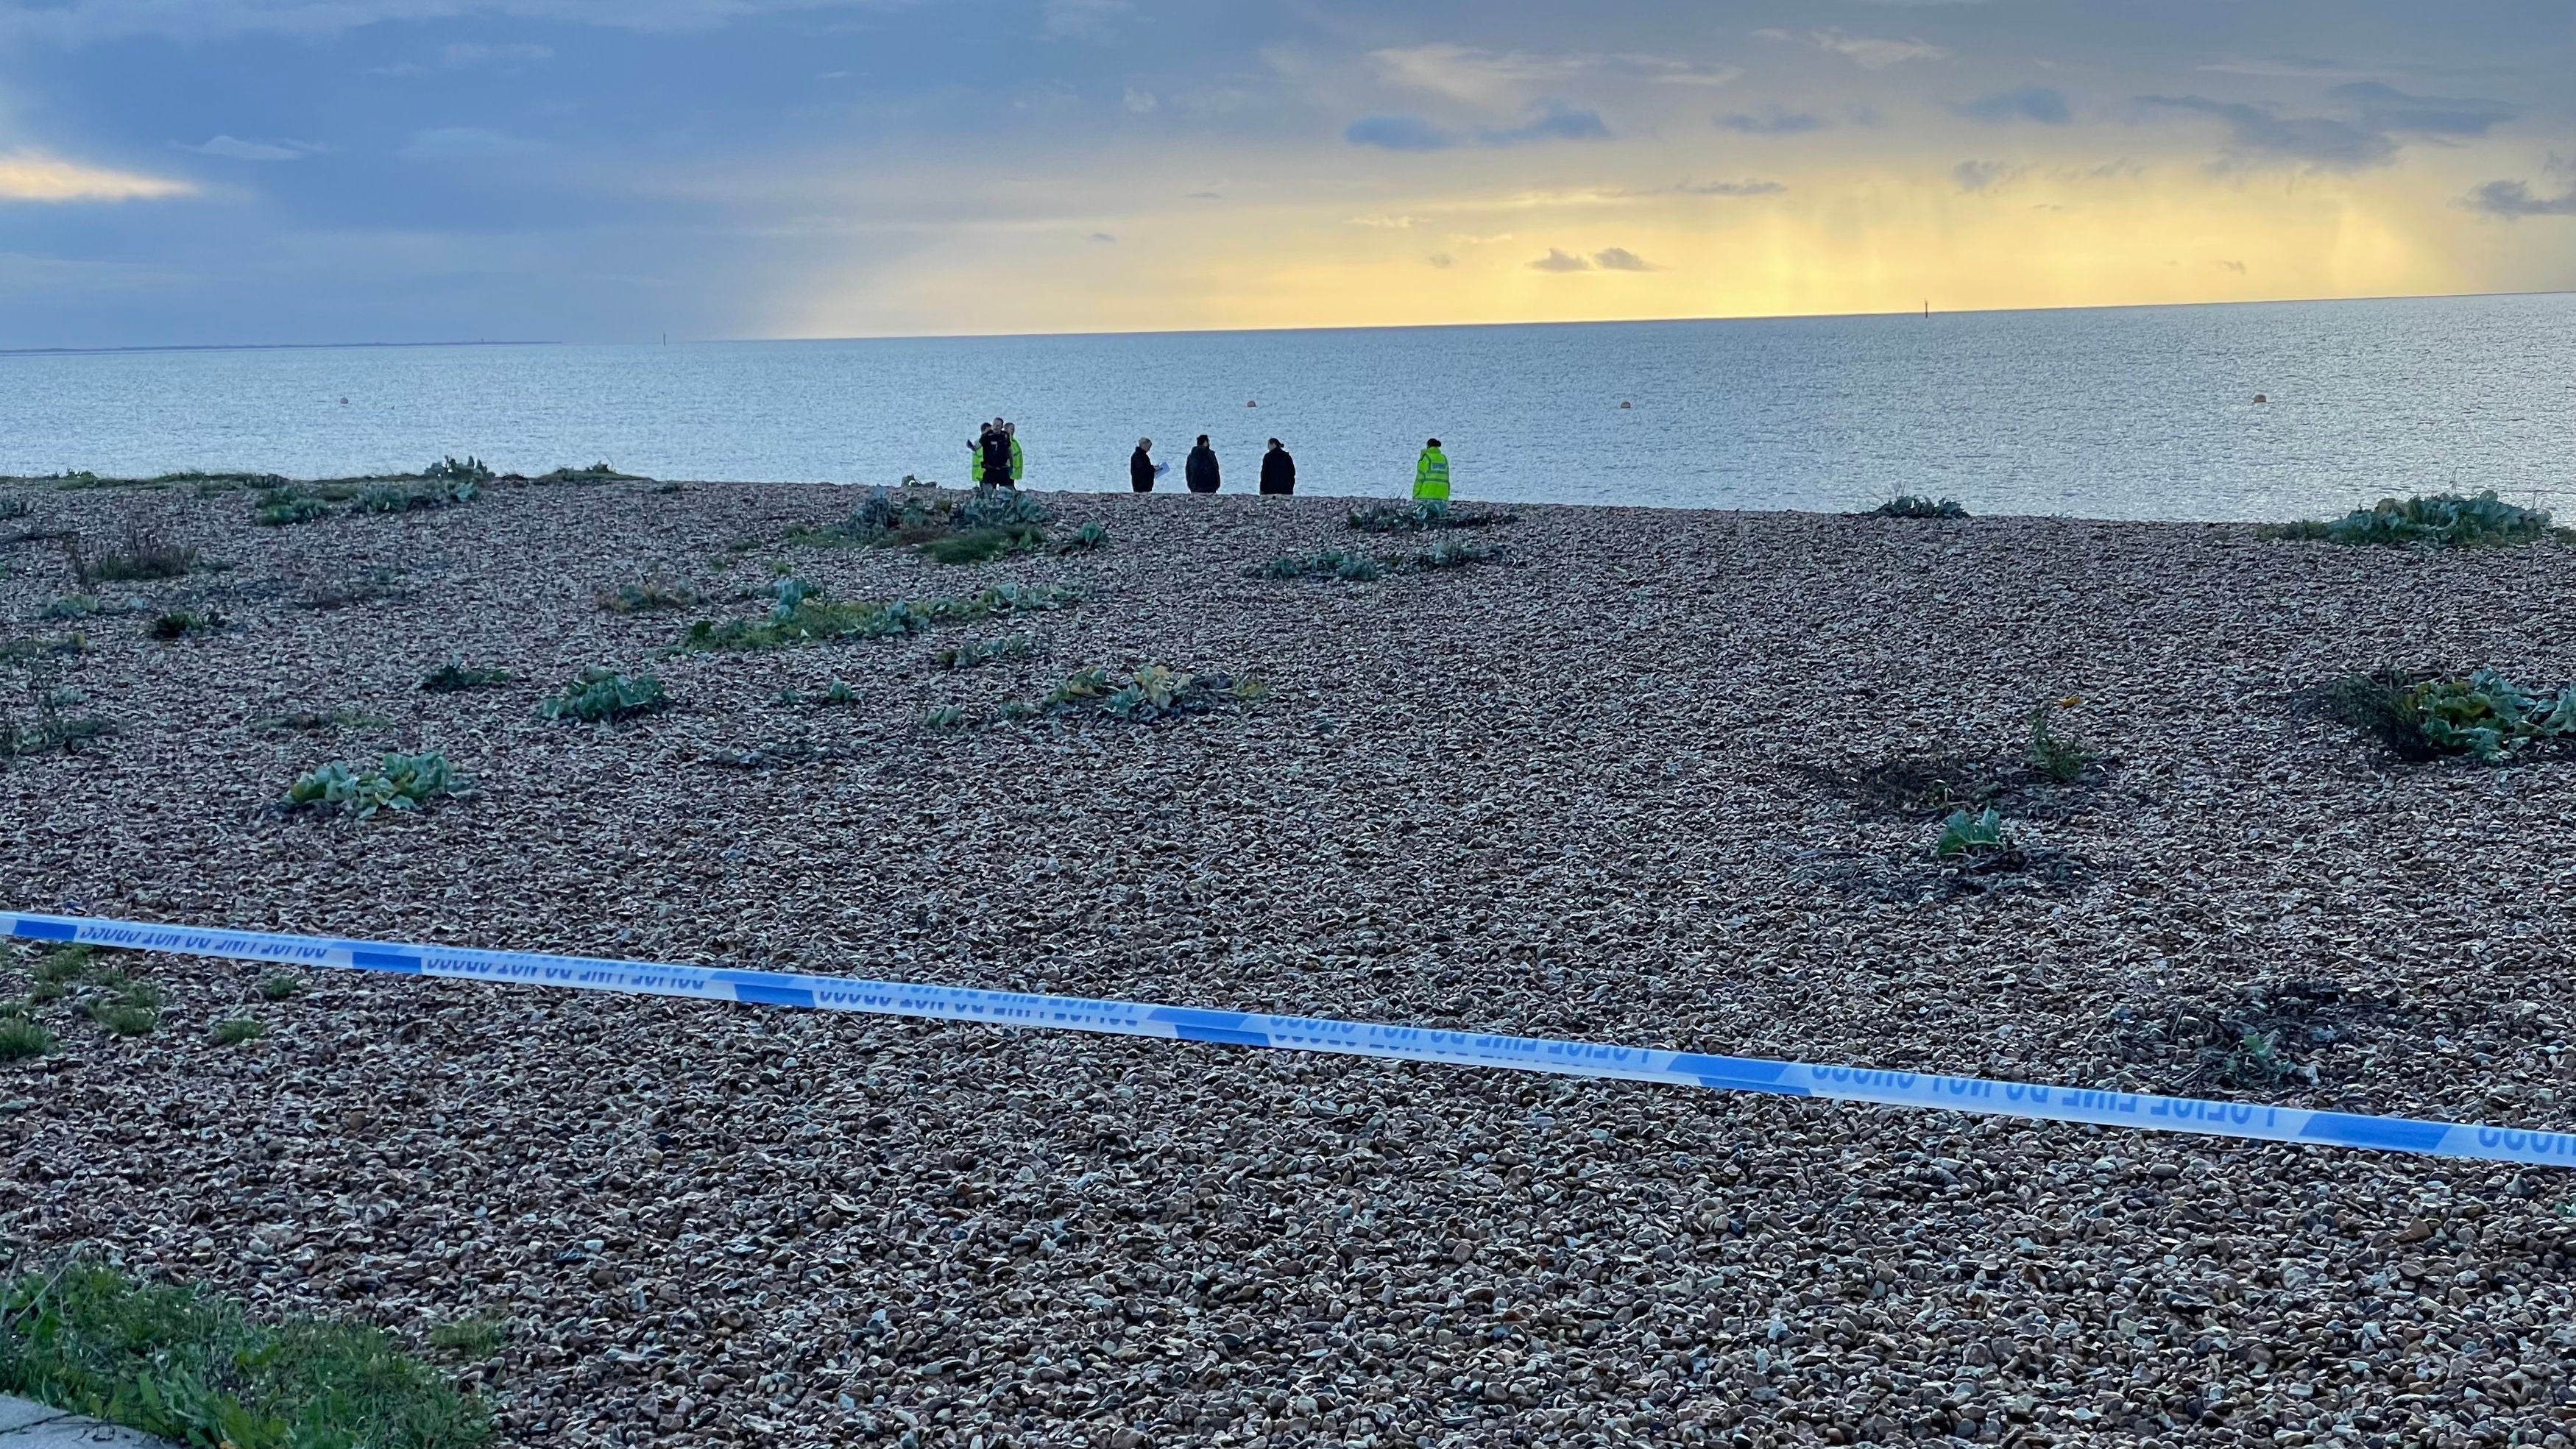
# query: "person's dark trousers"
{"points": [[1278, 490]]}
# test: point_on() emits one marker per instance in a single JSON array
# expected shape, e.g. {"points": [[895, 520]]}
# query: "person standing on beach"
{"points": [[1278, 471], [1201, 469], [1431, 474], [1140, 466], [998, 460]]}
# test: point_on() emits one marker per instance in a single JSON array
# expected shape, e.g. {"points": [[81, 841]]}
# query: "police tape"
{"points": [[2135, 1110]]}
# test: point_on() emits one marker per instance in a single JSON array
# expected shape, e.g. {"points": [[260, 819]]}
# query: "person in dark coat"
{"points": [[1140, 466], [1278, 471], [1201, 470]]}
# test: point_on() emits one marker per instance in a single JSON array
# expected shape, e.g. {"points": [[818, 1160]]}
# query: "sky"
{"points": [[190, 172]]}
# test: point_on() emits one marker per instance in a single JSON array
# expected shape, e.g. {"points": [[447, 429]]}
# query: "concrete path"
{"points": [[26, 1424]]}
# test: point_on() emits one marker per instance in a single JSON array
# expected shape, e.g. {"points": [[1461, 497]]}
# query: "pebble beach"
{"points": [[1651, 777]]}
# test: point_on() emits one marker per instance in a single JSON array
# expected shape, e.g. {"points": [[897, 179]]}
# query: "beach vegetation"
{"points": [[599, 695], [2482, 716], [801, 613], [14, 505], [289, 506], [456, 676], [23, 1037], [1451, 553], [979, 545], [310, 720], [140, 556], [1332, 563], [29, 651], [1915, 505], [940, 718], [647, 596], [1416, 517], [342, 593], [395, 782], [278, 986], [2058, 756], [193, 1366], [72, 606], [237, 1030], [124, 1007], [1151, 692], [1089, 538], [177, 624], [600, 472], [476, 1337], [2433, 520], [468, 470], [976, 653]]}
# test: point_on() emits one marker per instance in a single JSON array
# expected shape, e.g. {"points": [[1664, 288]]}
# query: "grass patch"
{"points": [[127, 1008], [193, 1366], [801, 614], [395, 782], [180, 624], [1912, 505], [980, 545], [238, 1030], [2063, 758], [2434, 520], [595, 473], [1417, 517], [649, 596], [29, 651], [23, 1038], [2482, 716], [456, 676], [288, 507], [45, 729], [140, 556], [280, 987], [600, 695], [1332, 563]]}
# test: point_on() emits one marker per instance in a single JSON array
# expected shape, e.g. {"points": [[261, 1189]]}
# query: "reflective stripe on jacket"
{"points": [[1431, 475]]}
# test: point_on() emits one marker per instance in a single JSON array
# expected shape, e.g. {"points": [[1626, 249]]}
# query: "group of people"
{"points": [[998, 460]]}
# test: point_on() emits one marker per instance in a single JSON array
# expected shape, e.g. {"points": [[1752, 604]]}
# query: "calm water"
{"points": [[2116, 413]]}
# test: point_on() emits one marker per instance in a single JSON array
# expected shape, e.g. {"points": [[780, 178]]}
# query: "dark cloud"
{"points": [[2320, 141], [2386, 108], [1398, 133], [1560, 261], [2512, 201], [2043, 104], [1620, 259], [1772, 123], [1550, 123]]}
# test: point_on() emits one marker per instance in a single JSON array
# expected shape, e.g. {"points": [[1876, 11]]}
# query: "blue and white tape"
{"points": [[2137, 1110]]}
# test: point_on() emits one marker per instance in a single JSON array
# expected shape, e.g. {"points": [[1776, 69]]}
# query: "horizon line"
{"points": [[1340, 327]]}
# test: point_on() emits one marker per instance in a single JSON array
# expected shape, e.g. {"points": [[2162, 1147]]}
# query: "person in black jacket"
{"points": [[1201, 470], [1140, 466], [1278, 471]]}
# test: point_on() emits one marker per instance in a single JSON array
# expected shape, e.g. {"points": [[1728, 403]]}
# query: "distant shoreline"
{"points": [[260, 347]]}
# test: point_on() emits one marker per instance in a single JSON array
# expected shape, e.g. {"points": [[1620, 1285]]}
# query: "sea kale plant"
{"points": [[800, 613], [1416, 517], [2483, 715], [1978, 841], [394, 782], [1909, 505], [1151, 692], [1332, 563], [599, 695], [2436, 520]]}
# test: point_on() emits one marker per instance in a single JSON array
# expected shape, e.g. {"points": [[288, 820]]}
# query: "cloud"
{"points": [[234, 149], [2044, 104], [1388, 223], [1398, 133], [471, 53], [31, 176], [1412, 133], [460, 143], [1139, 102], [2319, 141], [1486, 77], [1102, 236], [1620, 259], [1080, 19], [1442, 260], [1984, 175], [1867, 52], [1774, 122], [1560, 261], [1746, 187], [2237, 267], [2284, 65], [2385, 108], [2509, 201]]}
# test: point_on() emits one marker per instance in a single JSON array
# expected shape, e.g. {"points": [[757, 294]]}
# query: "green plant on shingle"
{"points": [[13, 506], [456, 676], [22, 1037], [179, 624], [1330, 564], [1450, 553], [1416, 517], [1151, 692], [975, 653], [469, 470], [439, 494], [234, 1031], [1090, 538], [142, 556], [599, 695], [2438, 520], [188, 1365], [940, 718], [979, 545], [342, 593], [1972, 836], [647, 596], [396, 782], [284, 507], [2062, 758], [76, 606], [990, 506], [279, 987], [46, 729], [472, 1338], [1910, 505], [812, 618], [129, 1008], [601, 472], [2483, 715]]}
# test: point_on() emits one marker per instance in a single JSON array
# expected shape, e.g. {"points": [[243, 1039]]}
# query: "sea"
{"points": [[2223, 412]]}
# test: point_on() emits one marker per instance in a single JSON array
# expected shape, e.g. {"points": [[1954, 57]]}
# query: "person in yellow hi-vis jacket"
{"points": [[1431, 474], [998, 459]]}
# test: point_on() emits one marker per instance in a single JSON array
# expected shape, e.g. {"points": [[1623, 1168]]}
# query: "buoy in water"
{"points": [[1247, 402], [2258, 397], [1627, 405]]}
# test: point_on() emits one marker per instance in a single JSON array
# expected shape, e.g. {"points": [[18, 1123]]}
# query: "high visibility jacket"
{"points": [[1017, 461], [1431, 476]]}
